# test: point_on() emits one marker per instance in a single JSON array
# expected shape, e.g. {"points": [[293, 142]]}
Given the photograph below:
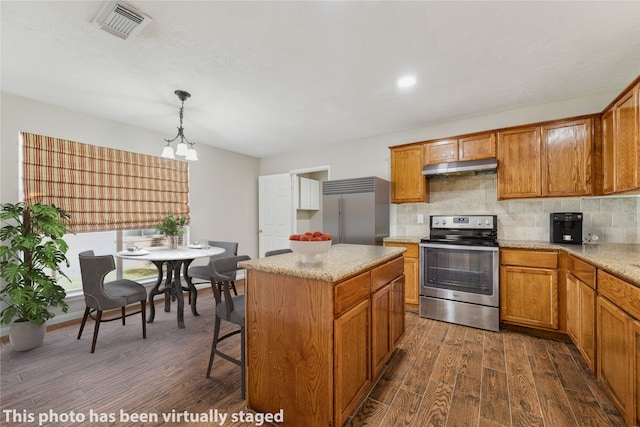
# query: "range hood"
{"points": [[468, 167]]}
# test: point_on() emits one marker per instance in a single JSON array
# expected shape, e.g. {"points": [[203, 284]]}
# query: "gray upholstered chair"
{"points": [[100, 296], [201, 272], [231, 309], [277, 252]]}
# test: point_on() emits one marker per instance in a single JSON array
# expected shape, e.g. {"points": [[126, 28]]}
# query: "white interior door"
{"points": [[274, 212]]}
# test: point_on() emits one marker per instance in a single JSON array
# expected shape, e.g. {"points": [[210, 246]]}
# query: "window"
{"points": [[109, 242], [113, 197], [102, 188]]}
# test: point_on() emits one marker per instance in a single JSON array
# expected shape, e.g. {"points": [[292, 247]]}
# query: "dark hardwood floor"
{"points": [[451, 375], [442, 375]]}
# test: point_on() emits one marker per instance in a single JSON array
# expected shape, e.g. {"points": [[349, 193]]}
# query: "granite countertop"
{"points": [[620, 259], [342, 261], [403, 239]]}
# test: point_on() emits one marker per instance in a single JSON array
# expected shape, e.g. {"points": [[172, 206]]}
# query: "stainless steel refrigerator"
{"points": [[356, 210]]}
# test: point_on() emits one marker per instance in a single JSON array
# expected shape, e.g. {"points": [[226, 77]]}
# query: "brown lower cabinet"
{"points": [[411, 270], [529, 294], [352, 355], [387, 322], [618, 343], [601, 312], [581, 308], [615, 352]]}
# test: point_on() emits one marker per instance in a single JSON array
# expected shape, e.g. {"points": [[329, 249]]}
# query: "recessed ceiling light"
{"points": [[406, 81]]}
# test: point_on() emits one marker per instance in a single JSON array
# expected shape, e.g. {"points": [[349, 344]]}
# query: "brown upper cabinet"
{"points": [[408, 185], [573, 157], [481, 146], [519, 160], [476, 147], [621, 142], [567, 167], [552, 160], [444, 151], [608, 156]]}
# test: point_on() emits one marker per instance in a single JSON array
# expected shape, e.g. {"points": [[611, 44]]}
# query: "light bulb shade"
{"points": [[167, 152], [181, 149], [191, 155]]}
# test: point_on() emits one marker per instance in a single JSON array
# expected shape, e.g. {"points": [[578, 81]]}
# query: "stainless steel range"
{"points": [[459, 271]]}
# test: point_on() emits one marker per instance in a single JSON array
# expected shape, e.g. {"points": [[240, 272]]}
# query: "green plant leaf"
{"points": [[32, 250]]}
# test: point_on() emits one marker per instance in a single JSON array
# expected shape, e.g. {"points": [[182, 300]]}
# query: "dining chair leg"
{"points": [[123, 316], [214, 344], [233, 286], [95, 330], [84, 320], [143, 308]]}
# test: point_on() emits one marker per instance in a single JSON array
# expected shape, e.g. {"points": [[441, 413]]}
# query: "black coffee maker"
{"points": [[566, 227]]}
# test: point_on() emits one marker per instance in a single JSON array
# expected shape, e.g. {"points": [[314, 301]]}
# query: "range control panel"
{"points": [[483, 222]]}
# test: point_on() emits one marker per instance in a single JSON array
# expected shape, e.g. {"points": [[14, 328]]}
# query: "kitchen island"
{"points": [[318, 334]]}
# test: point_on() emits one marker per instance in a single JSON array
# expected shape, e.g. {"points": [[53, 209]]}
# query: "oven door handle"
{"points": [[460, 247]]}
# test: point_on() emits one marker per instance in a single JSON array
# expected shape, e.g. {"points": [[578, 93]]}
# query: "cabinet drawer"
{"points": [[384, 274], [412, 248], [623, 294], [351, 291], [582, 270], [525, 258]]}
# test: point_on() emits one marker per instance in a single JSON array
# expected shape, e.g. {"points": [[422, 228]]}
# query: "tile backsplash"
{"points": [[613, 219]]}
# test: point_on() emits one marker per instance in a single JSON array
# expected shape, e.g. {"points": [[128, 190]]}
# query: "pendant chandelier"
{"points": [[182, 149]]}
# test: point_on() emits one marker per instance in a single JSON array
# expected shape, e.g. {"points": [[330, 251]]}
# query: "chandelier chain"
{"points": [[181, 129]]}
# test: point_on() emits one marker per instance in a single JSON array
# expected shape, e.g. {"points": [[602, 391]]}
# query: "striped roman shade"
{"points": [[103, 188]]}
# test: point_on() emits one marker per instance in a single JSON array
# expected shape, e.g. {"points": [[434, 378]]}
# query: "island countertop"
{"points": [[342, 261]]}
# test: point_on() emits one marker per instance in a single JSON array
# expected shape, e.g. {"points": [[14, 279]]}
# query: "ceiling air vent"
{"points": [[121, 20]]}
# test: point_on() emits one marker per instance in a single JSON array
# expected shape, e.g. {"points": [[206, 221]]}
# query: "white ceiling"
{"points": [[272, 77]]}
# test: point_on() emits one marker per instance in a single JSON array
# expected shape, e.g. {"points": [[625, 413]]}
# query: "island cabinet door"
{"points": [[352, 377], [380, 328], [387, 322], [397, 310]]}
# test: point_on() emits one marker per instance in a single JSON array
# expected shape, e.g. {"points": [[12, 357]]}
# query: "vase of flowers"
{"points": [[173, 228]]}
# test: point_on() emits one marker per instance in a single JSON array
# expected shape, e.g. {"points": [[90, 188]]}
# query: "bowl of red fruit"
{"points": [[310, 244]]}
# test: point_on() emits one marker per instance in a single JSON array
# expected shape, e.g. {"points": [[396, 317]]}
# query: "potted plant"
{"points": [[173, 228], [31, 256]]}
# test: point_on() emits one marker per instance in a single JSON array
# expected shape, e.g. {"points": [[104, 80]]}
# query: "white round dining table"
{"points": [[174, 259]]}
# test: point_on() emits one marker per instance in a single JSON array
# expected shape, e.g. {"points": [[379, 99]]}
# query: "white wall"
{"points": [[370, 156], [223, 185]]}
